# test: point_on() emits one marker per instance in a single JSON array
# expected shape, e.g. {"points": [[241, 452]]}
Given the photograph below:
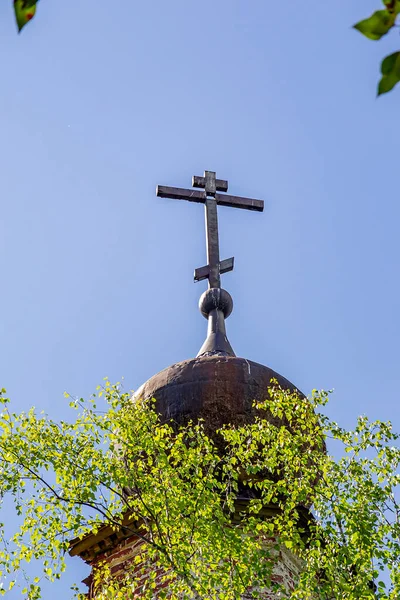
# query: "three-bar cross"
{"points": [[211, 198]]}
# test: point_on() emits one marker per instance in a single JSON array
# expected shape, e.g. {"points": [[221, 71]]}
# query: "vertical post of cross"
{"points": [[214, 279]]}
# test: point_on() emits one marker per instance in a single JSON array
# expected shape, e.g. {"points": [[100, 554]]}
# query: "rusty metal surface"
{"points": [[219, 389]]}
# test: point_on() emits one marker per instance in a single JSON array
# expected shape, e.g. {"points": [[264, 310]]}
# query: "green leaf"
{"points": [[24, 11], [390, 69], [392, 5], [377, 25]]}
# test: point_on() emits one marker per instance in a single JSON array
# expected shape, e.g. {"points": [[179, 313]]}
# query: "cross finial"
{"points": [[216, 304]]}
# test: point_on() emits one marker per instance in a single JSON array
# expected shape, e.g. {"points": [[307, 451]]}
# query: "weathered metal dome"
{"points": [[217, 388]]}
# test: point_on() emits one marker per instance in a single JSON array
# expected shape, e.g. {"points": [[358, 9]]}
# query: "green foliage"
{"points": [[374, 28], [390, 70], [177, 491], [377, 25], [24, 11]]}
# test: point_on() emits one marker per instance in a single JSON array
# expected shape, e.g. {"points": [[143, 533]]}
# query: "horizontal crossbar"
{"points": [[164, 191]]}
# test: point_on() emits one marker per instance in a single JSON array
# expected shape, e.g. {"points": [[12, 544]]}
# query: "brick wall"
{"points": [[121, 559]]}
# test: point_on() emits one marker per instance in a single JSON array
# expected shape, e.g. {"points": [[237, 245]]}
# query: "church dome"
{"points": [[218, 388]]}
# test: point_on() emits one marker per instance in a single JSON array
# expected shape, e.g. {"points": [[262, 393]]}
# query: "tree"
{"points": [[177, 489]]}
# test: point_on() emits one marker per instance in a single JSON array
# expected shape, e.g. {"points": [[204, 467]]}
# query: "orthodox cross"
{"points": [[211, 198]]}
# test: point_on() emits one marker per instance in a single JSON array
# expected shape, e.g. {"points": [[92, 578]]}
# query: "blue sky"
{"points": [[101, 101]]}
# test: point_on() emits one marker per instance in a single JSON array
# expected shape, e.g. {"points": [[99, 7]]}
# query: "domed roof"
{"points": [[218, 388]]}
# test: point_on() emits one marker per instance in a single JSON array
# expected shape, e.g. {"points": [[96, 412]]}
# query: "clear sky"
{"points": [[100, 101]]}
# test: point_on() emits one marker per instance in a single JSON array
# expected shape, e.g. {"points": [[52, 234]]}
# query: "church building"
{"points": [[216, 386]]}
